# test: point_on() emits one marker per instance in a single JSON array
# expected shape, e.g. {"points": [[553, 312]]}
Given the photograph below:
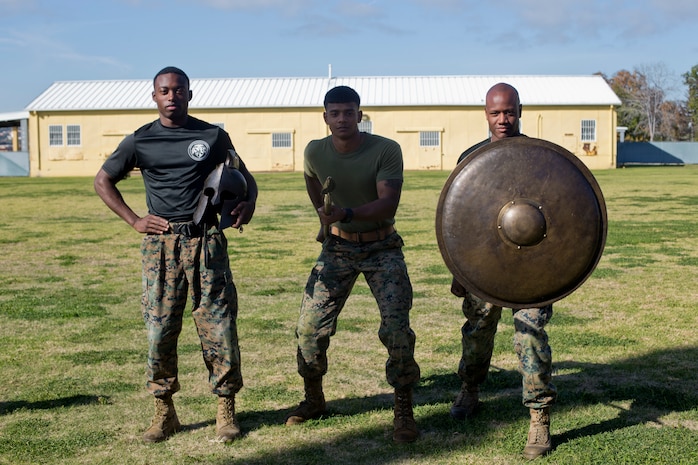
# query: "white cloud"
{"points": [[15, 4], [49, 48], [285, 6]]}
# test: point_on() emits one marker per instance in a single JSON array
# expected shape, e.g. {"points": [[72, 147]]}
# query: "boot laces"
{"points": [[227, 406], [161, 411], [403, 406], [539, 430]]}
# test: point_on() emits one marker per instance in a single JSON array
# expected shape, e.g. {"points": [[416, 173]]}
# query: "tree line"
{"points": [[647, 111]]}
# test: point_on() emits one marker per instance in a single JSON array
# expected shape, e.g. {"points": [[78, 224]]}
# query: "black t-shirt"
{"points": [[472, 149], [477, 146], [174, 163]]}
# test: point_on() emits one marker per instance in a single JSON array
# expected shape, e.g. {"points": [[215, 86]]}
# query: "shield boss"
{"points": [[521, 222]]}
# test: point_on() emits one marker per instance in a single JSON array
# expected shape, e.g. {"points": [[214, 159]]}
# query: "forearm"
{"points": [[105, 187], [378, 210], [385, 206], [314, 189], [252, 190]]}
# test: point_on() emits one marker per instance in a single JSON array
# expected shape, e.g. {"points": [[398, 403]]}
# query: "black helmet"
{"points": [[224, 189]]}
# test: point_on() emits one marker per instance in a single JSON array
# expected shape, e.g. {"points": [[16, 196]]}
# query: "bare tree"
{"points": [[657, 83], [675, 122], [643, 93]]}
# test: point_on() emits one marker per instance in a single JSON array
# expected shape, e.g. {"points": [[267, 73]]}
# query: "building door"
{"points": [[430, 153], [569, 141]]}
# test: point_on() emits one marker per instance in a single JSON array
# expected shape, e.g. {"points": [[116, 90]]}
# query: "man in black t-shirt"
{"points": [[503, 110], [175, 155]]}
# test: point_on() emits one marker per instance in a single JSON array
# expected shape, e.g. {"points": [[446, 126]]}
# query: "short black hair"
{"points": [[342, 94], [171, 70]]}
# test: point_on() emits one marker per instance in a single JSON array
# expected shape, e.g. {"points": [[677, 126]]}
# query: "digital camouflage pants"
{"points": [[329, 285], [530, 343], [173, 269]]}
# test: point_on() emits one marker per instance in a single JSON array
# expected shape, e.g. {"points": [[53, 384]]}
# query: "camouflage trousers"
{"points": [[329, 285], [530, 343], [173, 268]]}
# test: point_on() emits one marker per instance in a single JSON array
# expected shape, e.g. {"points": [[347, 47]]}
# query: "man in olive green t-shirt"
{"points": [[367, 173]]}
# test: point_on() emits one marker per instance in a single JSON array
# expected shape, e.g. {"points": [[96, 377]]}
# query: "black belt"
{"points": [[187, 228], [191, 229]]}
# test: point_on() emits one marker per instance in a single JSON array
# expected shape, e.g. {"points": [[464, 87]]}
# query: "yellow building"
{"points": [[75, 125]]}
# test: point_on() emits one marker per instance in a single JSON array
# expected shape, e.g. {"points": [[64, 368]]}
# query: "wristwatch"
{"points": [[348, 215]]}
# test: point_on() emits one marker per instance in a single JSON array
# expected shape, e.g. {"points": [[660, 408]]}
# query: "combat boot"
{"points": [[404, 426], [165, 422], [227, 427], [312, 407], [539, 442], [466, 404]]}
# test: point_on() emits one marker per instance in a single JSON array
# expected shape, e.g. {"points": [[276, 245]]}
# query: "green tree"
{"points": [[691, 80]]}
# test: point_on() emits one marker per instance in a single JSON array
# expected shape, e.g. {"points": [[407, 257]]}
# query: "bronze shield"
{"points": [[521, 222]]}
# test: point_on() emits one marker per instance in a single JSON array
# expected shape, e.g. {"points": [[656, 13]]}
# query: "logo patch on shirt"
{"points": [[199, 150]]}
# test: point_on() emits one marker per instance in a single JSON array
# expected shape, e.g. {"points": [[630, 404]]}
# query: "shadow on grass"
{"points": [[653, 385], [642, 389], [7, 408]]}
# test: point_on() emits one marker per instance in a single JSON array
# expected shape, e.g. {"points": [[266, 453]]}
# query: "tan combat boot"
{"points": [[227, 427], [466, 404], [539, 442], [404, 426], [165, 422], [312, 407]]}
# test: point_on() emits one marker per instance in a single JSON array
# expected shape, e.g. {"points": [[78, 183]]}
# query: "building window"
{"points": [[281, 140], [588, 130], [55, 136], [366, 126], [429, 138], [72, 135]]}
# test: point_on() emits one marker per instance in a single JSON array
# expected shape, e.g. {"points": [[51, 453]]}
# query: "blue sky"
{"points": [[43, 41]]}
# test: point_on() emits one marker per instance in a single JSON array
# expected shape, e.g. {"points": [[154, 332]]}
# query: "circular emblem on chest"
{"points": [[199, 150]]}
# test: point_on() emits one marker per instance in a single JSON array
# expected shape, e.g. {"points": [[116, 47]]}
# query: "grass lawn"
{"points": [[72, 341]]}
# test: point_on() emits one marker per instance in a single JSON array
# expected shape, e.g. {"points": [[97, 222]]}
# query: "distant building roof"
{"points": [[309, 92], [14, 116]]}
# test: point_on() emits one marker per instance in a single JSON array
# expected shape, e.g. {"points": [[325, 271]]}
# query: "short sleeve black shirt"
{"points": [[472, 149], [465, 154], [174, 163]]}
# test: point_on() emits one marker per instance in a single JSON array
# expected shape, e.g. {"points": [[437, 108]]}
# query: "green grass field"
{"points": [[72, 342]]}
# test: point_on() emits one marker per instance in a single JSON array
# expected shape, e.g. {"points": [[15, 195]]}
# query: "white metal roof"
{"points": [[14, 116], [309, 92]]}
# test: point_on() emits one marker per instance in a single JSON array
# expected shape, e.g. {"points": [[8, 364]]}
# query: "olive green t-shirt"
{"points": [[355, 174]]}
